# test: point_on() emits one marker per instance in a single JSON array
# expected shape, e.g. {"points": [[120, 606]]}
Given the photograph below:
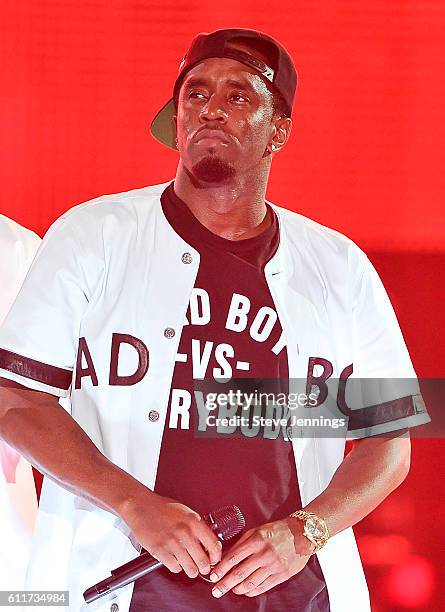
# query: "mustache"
{"points": [[211, 132]]}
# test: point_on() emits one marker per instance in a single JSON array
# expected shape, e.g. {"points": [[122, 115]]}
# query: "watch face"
{"points": [[315, 528]]}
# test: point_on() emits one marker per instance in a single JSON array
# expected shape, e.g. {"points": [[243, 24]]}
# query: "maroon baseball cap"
{"points": [[280, 73]]}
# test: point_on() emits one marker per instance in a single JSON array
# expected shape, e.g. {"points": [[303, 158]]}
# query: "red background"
{"points": [[82, 79]]}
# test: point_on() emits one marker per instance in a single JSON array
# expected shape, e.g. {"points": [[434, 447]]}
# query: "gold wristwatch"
{"points": [[315, 528]]}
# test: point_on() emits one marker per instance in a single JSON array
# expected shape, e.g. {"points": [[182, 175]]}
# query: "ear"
{"points": [[280, 134]]}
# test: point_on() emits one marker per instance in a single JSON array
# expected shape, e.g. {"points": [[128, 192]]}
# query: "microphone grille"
{"points": [[226, 522]]}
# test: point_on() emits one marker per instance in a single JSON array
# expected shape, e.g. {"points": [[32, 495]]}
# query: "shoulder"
{"points": [[311, 232], [326, 252], [140, 202], [13, 235], [18, 247], [108, 218]]}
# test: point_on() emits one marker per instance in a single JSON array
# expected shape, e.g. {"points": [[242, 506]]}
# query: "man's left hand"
{"points": [[262, 558]]}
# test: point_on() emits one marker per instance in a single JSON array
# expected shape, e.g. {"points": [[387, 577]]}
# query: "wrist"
{"points": [[302, 545], [312, 528], [129, 495]]}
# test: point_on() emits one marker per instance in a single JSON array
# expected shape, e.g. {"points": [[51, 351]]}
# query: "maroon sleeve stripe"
{"points": [[35, 370], [382, 413]]}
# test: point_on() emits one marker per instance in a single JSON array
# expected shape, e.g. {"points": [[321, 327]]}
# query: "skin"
{"points": [[234, 208], [226, 193], [274, 552], [174, 534], [245, 128]]}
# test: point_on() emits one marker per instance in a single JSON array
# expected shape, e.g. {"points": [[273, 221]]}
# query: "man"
{"points": [[18, 502], [18, 248], [137, 296]]}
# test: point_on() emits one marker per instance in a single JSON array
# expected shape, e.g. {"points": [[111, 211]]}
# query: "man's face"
{"points": [[224, 119]]}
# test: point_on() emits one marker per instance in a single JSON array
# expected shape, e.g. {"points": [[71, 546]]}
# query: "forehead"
{"points": [[225, 71]]}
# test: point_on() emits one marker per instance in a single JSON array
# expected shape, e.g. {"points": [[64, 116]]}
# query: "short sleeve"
{"points": [[39, 337], [383, 392], [18, 247]]}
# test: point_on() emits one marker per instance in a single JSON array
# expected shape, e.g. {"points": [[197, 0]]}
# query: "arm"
{"points": [[272, 553], [369, 473], [34, 423]]}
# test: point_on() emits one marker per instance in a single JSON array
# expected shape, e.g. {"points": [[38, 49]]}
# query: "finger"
{"points": [[185, 560], [197, 553], [252, 582], [234, 556], [268, 584], [238, 574], [239, 542], [245, 536], [209, 541], [170, 562]]}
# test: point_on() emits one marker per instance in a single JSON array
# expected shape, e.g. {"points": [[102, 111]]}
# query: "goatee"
{"points": [[211, 169]]}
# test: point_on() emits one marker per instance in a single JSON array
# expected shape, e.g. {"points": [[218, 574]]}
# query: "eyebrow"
{"points": [[199, 81]]}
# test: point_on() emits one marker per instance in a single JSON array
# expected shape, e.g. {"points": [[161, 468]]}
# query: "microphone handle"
{"points": [[120, 578], [141, 566], [142, 560]]}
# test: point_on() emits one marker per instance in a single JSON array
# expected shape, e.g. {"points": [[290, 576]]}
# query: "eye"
{"points": [[239, 98], [195, 94]]}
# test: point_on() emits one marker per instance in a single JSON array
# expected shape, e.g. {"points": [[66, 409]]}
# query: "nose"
{"points": [[214, 110]]}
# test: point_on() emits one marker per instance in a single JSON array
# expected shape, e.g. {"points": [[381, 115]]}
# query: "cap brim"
{"points": [[162, 128]]}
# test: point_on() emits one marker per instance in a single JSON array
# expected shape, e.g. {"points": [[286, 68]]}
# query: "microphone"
{"points": [[226, 523]]}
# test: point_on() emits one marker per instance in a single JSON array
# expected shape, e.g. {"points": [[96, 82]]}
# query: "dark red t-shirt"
{"points": [[232, 332]]}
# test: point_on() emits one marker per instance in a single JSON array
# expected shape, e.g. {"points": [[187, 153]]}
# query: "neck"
{"points": [[234, 210]]}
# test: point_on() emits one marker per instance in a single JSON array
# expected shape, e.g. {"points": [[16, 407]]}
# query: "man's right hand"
{"points": [[173, 533]]}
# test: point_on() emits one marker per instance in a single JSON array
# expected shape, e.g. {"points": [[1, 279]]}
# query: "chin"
{"points": [[213, 169]]}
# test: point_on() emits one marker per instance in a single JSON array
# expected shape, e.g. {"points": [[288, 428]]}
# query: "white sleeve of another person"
{"points": [[18, 500], [39, 337]]}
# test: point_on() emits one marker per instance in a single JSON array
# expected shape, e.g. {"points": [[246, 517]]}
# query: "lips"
{"points": [[211, 134]]}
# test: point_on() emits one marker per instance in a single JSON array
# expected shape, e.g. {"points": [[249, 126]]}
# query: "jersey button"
{"points": [[186, 258], [169, 332], [114, 608], [153, 415]]}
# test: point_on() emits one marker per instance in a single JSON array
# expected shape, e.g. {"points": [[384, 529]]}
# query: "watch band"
{"points": [[318, 541]]}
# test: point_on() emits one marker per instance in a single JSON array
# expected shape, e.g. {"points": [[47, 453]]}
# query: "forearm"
{"points": [[39, 428], [44, 433], [367, 475]]}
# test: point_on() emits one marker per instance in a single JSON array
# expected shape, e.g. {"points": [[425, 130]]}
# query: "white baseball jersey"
{"points": [[18, 501], [108, 294], [18, 248]]}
